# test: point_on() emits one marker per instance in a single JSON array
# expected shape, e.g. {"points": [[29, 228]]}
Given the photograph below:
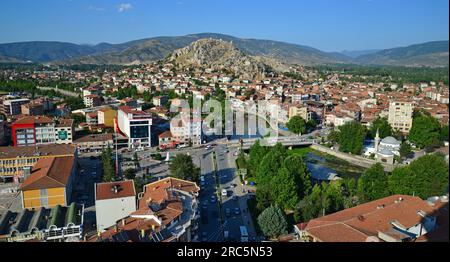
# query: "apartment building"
{"points": [[186, 130], [401, 115], [13, 107], [298, 110], [92, 100], [106, 116], [32, 109], [94, 143], [113, 202], [136, 125], [41, 130], [167, 212]]}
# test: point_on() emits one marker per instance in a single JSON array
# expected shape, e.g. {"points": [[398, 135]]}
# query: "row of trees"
{"points": [[109, 170]]}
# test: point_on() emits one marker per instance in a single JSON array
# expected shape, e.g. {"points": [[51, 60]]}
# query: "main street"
{"points": [[234, 205]]}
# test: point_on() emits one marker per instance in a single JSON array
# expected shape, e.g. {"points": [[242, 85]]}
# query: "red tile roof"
{"points": [[157, 191], [359, 223], [106, 190], [49, 173], [34, 120]]}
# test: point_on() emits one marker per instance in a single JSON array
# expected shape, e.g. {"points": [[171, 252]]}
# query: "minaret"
{"points": [[377, 141]]}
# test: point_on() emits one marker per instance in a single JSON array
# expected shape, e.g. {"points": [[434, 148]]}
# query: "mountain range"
{"points": [[431, 54]]}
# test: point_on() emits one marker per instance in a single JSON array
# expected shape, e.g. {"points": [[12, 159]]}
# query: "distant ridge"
{"points": [[432, 54]]}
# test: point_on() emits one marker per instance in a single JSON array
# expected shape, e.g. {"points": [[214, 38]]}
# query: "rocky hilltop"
{"points": [[220, 55]]}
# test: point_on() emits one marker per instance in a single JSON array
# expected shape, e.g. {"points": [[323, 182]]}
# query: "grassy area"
{"points": [[302, 151]]}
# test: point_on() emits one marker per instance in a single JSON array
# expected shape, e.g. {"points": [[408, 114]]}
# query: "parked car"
{"points": [[237, 211], [204, 236], [213, 199], [224, 193]]}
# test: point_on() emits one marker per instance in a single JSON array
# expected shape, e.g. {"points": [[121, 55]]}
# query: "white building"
{"points": [[113, 202], [401, 115], [136, 125], [185, 130]]}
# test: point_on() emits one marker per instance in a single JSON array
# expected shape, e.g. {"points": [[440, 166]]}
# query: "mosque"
{"points": [[384, 149]]}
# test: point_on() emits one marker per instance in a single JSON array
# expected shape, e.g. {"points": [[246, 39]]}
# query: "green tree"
{"points": [[425, 177], [297, 125], [383, 126], [373, 184], [273, 222], [109, 171], [301, 175], [285, 189], [444, 133], [314, 204], [351, 138], [257, 153], [130, 174], [183, 167], [405, 150], [136, 161], [425, 130], [268, 169], [401, 181], [333, 137]]}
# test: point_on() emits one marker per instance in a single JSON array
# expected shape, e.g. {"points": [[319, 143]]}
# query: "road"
{"points": [[234, 208]]}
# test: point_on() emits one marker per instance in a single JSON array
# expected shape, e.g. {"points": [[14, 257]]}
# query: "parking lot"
{"points": [[9, 198]]}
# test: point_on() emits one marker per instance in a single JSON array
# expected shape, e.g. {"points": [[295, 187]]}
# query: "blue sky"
{"points": [[329, 25]]}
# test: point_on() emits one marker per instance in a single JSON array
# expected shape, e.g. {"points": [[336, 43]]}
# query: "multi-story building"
{"points": [[49, 182], [136, 125], [114, 201], [14, 159], [92, 101], [401, 115], [94, 143], [14, 107], [41, 130], [186, 130], [167, 212], [32, 109], [92, 118], [160, 100], [296, 110], [64, 131], [106, 116]]}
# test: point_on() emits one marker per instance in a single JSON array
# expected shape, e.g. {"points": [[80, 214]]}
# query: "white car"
{"points": [[224, 192]]}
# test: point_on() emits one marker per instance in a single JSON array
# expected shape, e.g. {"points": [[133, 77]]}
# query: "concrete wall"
{"points": [[109, 211]]}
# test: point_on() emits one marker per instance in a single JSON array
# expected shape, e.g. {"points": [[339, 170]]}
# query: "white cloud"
{"points": [[124, 7]]}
